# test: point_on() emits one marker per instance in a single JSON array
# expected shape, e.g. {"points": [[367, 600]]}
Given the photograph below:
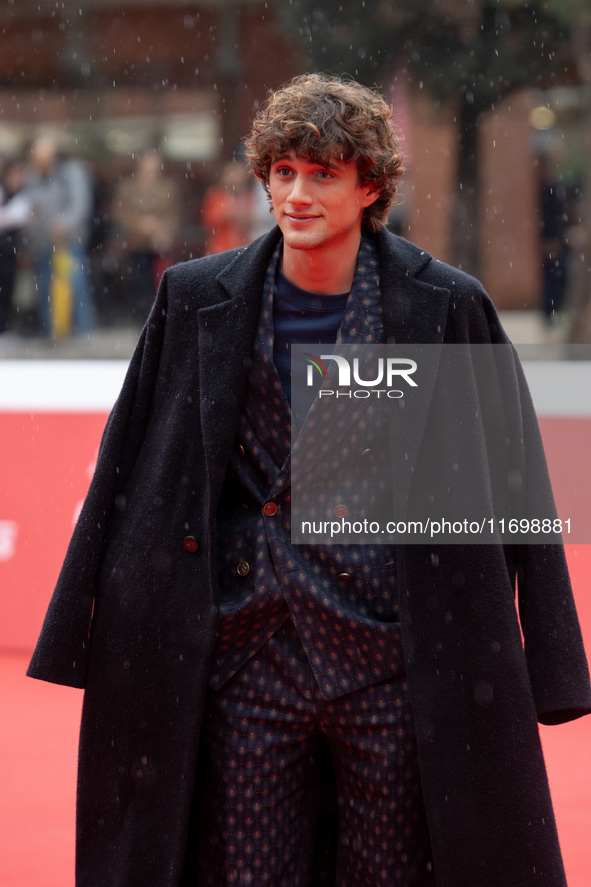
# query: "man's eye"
{"points": [[324, 174], [283, 171]]}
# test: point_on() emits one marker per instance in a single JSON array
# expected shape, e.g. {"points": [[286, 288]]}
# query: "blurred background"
{"points": [[150, 101]]}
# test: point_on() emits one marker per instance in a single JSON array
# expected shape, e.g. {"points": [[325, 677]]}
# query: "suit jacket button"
{"points": [[190, 544], [243, 568], [367, 452], [241, 450], [345, 578], [340, 511], [269, 509]]}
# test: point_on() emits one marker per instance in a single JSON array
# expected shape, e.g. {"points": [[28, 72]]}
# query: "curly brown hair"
{"points": [[323, 118]]}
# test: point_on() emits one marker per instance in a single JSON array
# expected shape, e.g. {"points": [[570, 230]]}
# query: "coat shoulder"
{"points": [[204, 266], [416, 262], [412, 273], [472, 315], [207, 279]]}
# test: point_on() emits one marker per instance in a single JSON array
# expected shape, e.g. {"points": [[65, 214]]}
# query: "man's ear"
{"points": [[370, 193]]}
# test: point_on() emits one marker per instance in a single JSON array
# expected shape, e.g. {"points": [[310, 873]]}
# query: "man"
{"points": [[146, 212], [14, 213], [60, 194], [241, 690]]}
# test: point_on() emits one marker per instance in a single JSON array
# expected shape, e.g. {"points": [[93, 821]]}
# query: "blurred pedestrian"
{"points": [[553, 242], [14, 213], [60, 191], [146, 213], [230, 209]]}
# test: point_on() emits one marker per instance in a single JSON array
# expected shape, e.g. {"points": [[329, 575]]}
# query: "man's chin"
{"points": [[301, 239]]}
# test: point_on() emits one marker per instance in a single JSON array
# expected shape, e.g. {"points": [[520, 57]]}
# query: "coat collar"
{"points": [[414, 310], [399, 260]]}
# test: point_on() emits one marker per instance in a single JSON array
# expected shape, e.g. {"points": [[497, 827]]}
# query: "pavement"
{"points": [[117, 343], [112, 343]]}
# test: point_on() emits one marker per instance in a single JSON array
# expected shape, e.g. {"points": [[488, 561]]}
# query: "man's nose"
{"points": [[300, 190]]}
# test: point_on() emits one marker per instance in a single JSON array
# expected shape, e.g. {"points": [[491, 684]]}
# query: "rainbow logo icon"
{"points": [[314, 363]]}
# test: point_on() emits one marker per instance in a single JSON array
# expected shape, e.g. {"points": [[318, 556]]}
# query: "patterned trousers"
{"points": [[260, 760]]}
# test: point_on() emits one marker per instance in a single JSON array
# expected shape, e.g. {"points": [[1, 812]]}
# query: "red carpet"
{"points": [[38, 746], [38, 736]]}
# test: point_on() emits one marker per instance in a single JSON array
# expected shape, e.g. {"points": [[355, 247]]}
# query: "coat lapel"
{"points": [[227, 330], [415, 314]]}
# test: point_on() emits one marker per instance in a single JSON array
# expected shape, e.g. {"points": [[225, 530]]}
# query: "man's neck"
{"points": [[320, 271]]}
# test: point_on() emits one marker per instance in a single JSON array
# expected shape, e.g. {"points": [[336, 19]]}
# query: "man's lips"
{"points": [[301, 217]]}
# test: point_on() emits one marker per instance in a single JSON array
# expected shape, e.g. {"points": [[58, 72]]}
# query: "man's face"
{"points": [[318, 206], [43, 154]]}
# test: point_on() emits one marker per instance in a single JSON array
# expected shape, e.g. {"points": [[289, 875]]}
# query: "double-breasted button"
{"points": [[340, 511], [190, 544], [345, 578], [269, 509], [366, 452], [241, 450], [243, 568]]}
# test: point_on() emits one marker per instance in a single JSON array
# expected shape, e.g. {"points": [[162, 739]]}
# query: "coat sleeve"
{"points": [[61, 652], [553, 643]]}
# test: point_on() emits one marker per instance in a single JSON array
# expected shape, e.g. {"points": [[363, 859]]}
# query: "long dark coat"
{"points": [[133, 617]]}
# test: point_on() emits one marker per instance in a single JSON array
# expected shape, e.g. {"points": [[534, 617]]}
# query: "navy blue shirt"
{"points": [[301, 317]]}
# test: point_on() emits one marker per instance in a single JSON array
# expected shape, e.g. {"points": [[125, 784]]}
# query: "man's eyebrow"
{"points": [[323, 164], [283, 158]]}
